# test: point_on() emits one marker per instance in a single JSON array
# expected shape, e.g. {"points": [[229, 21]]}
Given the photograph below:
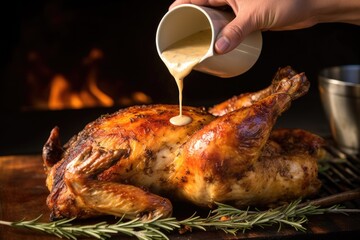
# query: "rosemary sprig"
{"points": [[224, 217]]}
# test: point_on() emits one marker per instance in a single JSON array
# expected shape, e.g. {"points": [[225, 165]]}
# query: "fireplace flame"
{"points": [[62, 93], [62, 96]]}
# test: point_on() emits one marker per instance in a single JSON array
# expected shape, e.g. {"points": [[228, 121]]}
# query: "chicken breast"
{"points": [[133, 161]]}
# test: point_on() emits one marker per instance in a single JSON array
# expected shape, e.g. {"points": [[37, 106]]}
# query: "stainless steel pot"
{"points": [[340, 94]]}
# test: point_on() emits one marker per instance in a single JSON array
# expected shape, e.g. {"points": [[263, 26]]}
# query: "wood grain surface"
{"points": [[23, 196]]}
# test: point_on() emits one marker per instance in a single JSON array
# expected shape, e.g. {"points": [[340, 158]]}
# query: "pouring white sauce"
{"points": [[181, 57]]}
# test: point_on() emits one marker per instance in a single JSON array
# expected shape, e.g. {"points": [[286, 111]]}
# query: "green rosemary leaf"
{"points": [[225, 218]]}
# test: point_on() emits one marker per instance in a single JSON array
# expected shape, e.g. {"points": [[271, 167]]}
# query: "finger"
{"points": [[233, 34], [213, 3]]}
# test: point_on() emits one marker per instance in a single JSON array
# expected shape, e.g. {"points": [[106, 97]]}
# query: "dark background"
{"points": [[64, 31]]}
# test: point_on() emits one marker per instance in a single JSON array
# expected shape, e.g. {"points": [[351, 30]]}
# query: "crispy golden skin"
{"points": [[125, 162]]}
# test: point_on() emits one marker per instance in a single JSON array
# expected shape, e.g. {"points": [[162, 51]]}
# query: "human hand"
{"points": [[252, 15]]}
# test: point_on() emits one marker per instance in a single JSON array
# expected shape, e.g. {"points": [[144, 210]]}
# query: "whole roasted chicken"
{"points": [[131, 162]]}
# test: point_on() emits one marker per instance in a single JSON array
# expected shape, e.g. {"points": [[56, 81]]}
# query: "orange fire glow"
{"points": [[62, 94]]}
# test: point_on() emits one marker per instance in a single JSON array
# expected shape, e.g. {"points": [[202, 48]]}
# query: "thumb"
{"points": [[231, 35]]}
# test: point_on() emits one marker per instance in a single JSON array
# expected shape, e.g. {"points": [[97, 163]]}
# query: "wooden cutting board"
{"points": [[23, 195]]}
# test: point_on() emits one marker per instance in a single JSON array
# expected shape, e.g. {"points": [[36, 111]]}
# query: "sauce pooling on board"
{"points": [[182, 57]]}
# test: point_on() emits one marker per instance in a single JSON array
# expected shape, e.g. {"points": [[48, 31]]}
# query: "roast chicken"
{"points": [[130, 163]]}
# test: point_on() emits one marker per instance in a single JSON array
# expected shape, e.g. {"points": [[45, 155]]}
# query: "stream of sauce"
{"points": [[182, 57]]}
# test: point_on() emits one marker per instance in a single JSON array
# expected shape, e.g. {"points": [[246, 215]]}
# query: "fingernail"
{"points": [[222, 44]]}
